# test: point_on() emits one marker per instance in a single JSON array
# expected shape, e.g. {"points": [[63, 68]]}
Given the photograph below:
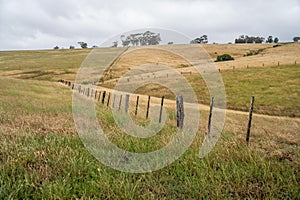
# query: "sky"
{"points": [[43, 24]]}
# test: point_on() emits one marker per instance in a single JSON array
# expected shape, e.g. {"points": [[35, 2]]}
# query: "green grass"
{"points": [[42, 157], [56, 166], [276, 89]]}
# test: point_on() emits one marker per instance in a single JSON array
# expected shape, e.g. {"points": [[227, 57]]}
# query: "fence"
{"points": [[111, 102]]}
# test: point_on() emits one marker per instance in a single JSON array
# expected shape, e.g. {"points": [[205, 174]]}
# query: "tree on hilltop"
{"points": [[83, 44], [200, 40]]}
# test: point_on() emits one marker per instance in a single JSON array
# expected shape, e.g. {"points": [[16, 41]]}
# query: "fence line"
{"points": [[91, 93]]}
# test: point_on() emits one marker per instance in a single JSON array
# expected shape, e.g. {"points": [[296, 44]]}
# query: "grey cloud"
{"points": [[33, 24]]}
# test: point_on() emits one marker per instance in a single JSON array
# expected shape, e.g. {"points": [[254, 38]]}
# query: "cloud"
{"points": [[34, 24]]}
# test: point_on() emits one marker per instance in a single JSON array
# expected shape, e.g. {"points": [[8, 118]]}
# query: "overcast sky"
{"points": [[43, 24]]}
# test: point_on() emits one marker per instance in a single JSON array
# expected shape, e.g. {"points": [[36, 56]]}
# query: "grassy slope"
{"points": [[42, 156]]}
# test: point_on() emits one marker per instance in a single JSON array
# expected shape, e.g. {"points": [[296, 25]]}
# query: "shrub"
{"points": [[224, 57]]}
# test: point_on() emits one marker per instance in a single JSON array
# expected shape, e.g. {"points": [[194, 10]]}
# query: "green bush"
{"points": [[224, 57]]}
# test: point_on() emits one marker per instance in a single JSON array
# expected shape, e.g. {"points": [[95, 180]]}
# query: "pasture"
{"points": [[42, 156]]}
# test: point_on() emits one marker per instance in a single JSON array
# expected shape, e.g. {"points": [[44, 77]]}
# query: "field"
{"points": [[43, 157]]}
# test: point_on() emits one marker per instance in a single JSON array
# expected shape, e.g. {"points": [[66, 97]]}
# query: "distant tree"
{"points": [[296, 39], [249, 39], [224, 57], [125, 41], [269, 39], [200, 40], [115, 44], [141, 39], [56, 47], [72, 47], [170, 43], [83, 44], [276, 40], [94, 46]]}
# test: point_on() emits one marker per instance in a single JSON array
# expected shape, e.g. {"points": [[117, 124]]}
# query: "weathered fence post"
{"points": [[114, 101], [148, 107], [103, 96], [73, 86], [120, 102], [161, 108], [179, 111], [92, 92], [96, 94], [108, 99], [250, 119], [210, 116], [88, 92], [137, 105], [126, 103], [99, 96]]}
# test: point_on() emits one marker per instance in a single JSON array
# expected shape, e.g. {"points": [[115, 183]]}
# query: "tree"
{"points": [[72, 47], [56, 48], [249, 39], [83, 44], [115, 44], [141, 39], [276, 40], [296, 39], [200, 40], [224, 57], [269, 39]]}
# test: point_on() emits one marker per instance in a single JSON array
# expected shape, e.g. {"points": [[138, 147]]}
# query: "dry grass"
{"points": [[41, 155]]}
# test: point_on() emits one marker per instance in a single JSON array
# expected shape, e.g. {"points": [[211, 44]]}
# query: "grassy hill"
{"points": [[41, 155]]}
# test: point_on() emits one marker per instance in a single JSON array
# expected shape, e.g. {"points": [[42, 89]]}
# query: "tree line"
{"points": [[151, 38]]}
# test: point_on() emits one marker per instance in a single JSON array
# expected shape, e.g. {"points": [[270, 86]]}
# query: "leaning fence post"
{"points": [[179, 111], [161, 108], [250, 119], [137, 105], [103, 97], [126, 103], [210, 116], [148, 106]]}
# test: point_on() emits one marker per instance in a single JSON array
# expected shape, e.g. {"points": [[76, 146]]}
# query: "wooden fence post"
{"points": [[99, 96], [250, 119], [108, 99], [120, 102], [137, 105], [148, 107], [127, 103], [96, 94], [114, 101], [103, 96], [161, 108], [179, 111], [88, 92], [210, 116]]}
